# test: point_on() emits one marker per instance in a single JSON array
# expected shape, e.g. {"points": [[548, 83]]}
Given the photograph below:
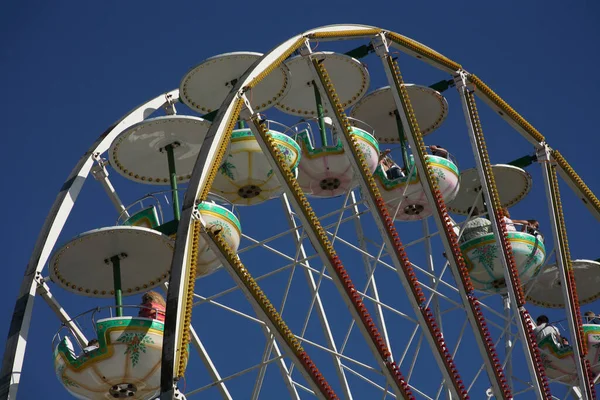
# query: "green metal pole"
{"points": [[173, 178], [320, 115], [241, 124], [360, 52], [402, 140], [524, 161], [116, 264]]}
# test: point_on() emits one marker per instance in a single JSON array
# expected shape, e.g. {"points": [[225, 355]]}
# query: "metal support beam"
{"points": [[387, 238], [18, 332], [523, 330], [208, 159], [369, 273], [508, 370], [260, 310], [100, 173], [312, 285], [564, 264], [44, 291], [210, 367], [170, 148], [315, 239], [381, 47]]}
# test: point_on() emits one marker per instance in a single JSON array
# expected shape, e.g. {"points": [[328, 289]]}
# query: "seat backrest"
{"points": [[147, 218]]}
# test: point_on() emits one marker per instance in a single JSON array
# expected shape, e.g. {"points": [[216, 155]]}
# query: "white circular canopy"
{"points": [[378, 110], [546, 291], [80, 266], [513, 184], [139, 154], [205, 87], [349, 76]]}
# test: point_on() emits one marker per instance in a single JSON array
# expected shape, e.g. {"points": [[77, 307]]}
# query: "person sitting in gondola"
{"points": [[476, 226], [544, 329], [153, 306], [390, 168], [439, 151], [532, 228], [510, 223], [592, 318]]}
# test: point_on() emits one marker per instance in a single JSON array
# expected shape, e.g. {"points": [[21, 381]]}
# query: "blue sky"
{"points": [[70, 69]]}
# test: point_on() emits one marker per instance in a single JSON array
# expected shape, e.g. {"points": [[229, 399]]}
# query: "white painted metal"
{"points": [[18, 333], [508, 344], [312, 235], [100, 173], [382, 51], [175, 295], [306, 51], [461, 83], [543, 155], [263, 316], [318, 304], [370, 272], [44, 291]]}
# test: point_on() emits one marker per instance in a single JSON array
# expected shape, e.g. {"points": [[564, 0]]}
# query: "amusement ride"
{"points": [[311, 239]]}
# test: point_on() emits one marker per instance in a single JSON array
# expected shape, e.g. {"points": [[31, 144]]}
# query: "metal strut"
{"points": [[567, 276], [385, 225], [511, 274], [318, 237], [444, 224], [318, 303], [268, 313], [16, 343]]}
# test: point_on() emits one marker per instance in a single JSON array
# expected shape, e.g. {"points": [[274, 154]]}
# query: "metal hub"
{"points": [[330, 183], [414, 209], [123, 390], [249, 191]]}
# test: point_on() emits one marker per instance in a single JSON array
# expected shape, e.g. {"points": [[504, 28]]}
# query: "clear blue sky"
{"points": [[70, 69]]}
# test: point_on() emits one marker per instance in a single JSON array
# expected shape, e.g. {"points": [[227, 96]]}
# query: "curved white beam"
{"points": [[19, 326]]}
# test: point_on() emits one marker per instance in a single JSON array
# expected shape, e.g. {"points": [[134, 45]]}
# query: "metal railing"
{"points": [[157, 198], [65, 330]]}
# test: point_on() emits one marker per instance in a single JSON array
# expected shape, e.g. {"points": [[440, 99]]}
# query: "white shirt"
{"points": [[544, 330], [509, 224]]}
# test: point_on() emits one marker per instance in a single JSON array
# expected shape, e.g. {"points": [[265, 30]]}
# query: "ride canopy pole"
{"points": [[173, 178], [115, 261], [320, 115], [402, 137]]}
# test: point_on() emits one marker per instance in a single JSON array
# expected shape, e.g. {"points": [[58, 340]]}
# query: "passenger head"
{"points": [[153, 297], [542, 319], [534, 223], [505, 212], [475, 211], [590, 314], [93, 342]]}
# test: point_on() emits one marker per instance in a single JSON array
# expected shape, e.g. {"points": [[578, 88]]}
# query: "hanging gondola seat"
{"points": [[125, 365], [559, 362], [245, 176], [327, 171], [482, 258], [408, 193]]}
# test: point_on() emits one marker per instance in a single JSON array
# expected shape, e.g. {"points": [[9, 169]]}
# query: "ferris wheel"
{"points": [[312, 240]]}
